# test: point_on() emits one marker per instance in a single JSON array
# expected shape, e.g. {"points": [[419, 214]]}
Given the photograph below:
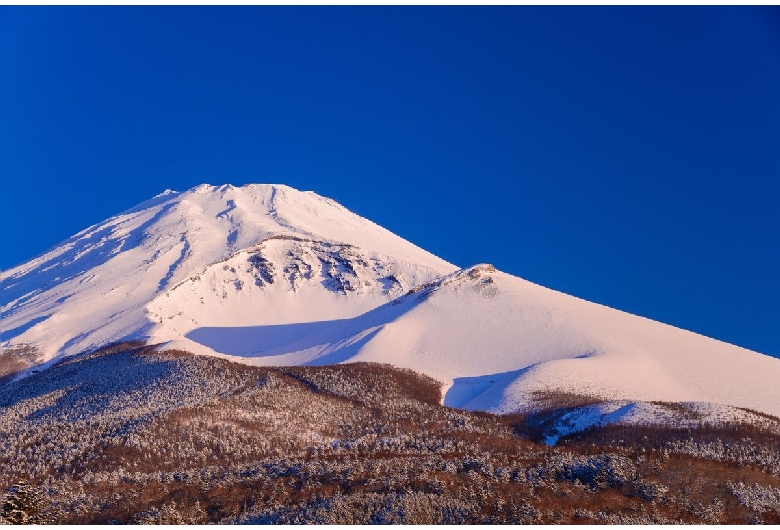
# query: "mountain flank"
{"points": [[129, 434], [258, 354], [267, 275]]}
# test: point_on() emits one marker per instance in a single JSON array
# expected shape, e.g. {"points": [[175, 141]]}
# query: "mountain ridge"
{"points": [[268, 275]]}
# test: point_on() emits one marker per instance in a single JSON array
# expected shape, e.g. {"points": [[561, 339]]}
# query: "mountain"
{"points": [[269, 275], [98, 286]]}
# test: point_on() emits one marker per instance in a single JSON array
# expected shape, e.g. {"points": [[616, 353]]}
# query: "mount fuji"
{"points": [[268, 275]]}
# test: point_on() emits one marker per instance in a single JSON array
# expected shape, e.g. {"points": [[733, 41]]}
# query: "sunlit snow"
{"points": [[269, 275]]}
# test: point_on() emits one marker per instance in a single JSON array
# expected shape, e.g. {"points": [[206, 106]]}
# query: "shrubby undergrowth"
{"points": [[130, 435]]}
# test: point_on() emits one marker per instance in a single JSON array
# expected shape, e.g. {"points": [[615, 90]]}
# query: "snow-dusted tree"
{"points": [[24, 504]]}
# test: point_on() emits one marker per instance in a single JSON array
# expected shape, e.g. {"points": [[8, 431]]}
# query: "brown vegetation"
{"points": [[131, 435], [16, 359]]}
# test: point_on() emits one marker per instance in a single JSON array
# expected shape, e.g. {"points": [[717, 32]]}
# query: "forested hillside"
{"points": [[130, 435]]}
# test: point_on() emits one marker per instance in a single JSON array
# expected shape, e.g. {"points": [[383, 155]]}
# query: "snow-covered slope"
{"points": [[95, 287], [272, 276], [500, 340], [268, 294]]}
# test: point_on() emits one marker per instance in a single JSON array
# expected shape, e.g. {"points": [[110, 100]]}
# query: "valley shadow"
{"points": [[482, 391], [11, 334], [340, 338], [259, 341]]}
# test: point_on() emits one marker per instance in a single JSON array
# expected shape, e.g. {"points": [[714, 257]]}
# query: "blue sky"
{"points": [[629, 156]]}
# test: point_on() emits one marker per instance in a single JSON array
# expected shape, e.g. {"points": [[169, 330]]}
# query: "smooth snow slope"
{"points": [[498, 339], [270, 275], [94, 288]]}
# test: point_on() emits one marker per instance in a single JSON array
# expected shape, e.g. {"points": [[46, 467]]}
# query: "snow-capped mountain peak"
{"points": [[269, 275], [94, 287]]}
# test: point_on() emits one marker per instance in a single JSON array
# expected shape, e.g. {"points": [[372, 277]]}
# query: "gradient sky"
{"points": [[629, 156]]}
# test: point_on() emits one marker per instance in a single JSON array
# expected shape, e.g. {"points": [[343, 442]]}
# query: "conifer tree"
{"points": [[23, 504]]}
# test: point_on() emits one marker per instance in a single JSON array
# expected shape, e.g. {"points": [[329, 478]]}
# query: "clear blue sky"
{"points": [[630, 156]]}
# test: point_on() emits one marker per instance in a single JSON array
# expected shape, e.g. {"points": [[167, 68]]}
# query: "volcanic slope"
{"points": [[498, 341], [94, 288], [271, 276]]}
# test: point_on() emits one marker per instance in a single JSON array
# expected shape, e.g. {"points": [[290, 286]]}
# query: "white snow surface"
{"points": [[269, 275], [94, 288]]}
